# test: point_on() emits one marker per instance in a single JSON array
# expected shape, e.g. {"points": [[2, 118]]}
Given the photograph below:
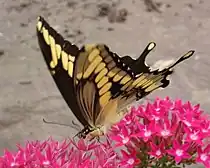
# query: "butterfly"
{"points": [[96, 83]]}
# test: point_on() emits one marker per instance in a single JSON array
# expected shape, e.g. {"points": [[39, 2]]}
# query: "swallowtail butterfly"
{"points": [[95, 82]]}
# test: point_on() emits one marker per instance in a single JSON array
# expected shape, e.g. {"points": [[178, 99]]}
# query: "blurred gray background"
{"points": [[27, 91]]}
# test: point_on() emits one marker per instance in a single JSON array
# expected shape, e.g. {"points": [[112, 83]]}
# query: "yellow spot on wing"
{"points": [[70, 68], [100, 67], [113, 72], [52, 72], [52, 65], [53, 50], [118, 76], [151, 46], [58, 50], [93, 54], [188, 54], [140, 78], [130, 87], [92, 67], [154, 80], [46, 35], [89, 47], [71, 58], [142, 82], [105, 98], [152, 87], [79, 75], [127, 85], [101, 74], [105, 88], [147, 83], [102, 82], [64, 58], [125, 79], [39, 25]]}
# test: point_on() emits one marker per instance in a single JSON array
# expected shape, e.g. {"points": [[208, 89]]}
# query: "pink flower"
{"points": [[205, 128], [179, 151], [66, 154], [81, 145], [129, 160], [194, 135], [162, 133], [164, 129], [204, 156], [157, 151], [146, 131], [123, 137]]}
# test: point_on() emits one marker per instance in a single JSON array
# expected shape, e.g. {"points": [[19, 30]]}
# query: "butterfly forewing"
{"points": [[60, 56], [96, 77]]}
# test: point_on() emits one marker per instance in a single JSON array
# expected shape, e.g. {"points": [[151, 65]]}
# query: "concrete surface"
{"points": [[27, 91]]}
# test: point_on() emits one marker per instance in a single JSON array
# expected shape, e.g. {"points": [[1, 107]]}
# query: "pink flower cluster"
{"points": [[162, 134], [68, 154], [165, 133]]}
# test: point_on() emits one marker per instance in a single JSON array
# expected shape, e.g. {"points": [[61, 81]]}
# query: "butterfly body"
{"points": [[96, 83]]}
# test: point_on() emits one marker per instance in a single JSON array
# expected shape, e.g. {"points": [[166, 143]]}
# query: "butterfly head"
{"points": [[84, 132], [90, 133]]}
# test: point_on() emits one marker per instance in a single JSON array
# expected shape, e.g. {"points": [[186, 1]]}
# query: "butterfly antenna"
{"points": [[77, 126], [76, 135], [74, 126]]}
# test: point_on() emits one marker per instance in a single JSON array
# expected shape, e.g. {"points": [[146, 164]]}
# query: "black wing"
{"points": [[60, 56], [135, 64]]}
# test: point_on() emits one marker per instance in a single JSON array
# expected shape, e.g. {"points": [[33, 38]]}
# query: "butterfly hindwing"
{"points": [[110, 78], [60, 56], [138, 65], [144, 83]]}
